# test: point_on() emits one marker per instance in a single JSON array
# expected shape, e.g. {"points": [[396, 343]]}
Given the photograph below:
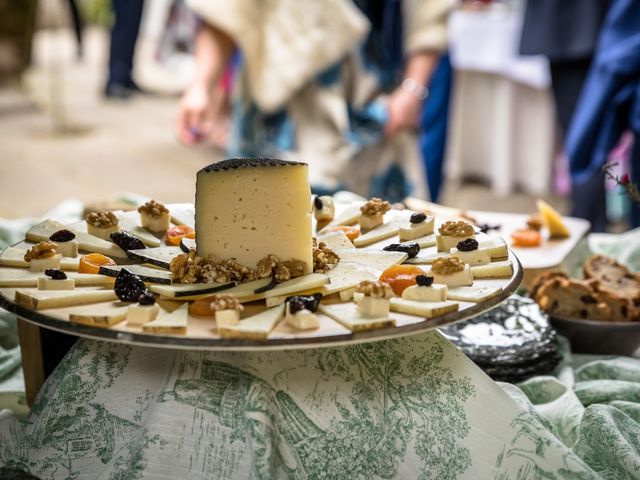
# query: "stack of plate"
{"points": [[511, 343]]}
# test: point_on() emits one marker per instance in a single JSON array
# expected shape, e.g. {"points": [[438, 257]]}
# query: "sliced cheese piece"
{"points": [[42, 264], [104, 317], [43, 230], [14, 257], [158, 256], [493, 270], [41, 299], [393, 220], [348, 216], [138, 315], [456, 279], [496, 245], [423, 309], [174, 322], [187, 244], [425, 258], [552, 220], [129, 223], [347, 275], [183, 214], [348, 315], [146, 274], [46, 283], [480, 256], [412, 231], [303, 320], [433, 293], [280, 299], [247, 209], [426, 241], [446, 242], [472, 294], [190, 291], [335, 240], [290, 287], [17, 277], [378, 259], [346, 295], [256, 327]]}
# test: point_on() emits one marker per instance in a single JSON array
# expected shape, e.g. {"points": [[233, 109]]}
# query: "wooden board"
{"points": [[202, 334]]}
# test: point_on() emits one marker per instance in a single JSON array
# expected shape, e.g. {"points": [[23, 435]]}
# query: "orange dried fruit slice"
{"points": [[92, 262], [400, 277], [177, 233], [526, 238], [201, 307], [351, 232]]}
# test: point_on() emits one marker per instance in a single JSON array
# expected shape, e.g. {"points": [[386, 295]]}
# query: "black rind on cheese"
{"points": [[233, 163]]}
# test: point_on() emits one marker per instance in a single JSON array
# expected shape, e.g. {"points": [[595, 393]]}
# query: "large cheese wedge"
{"points": [[146, 274], [493, 270], [89, 243], [393, 220], [256, 327], [174, 322], [250, 208], [14, 257], [472, 294], [17, 277], [103, 317], [423, 309], [158, 256], [41, 299], [348, 315], [552, 220]]}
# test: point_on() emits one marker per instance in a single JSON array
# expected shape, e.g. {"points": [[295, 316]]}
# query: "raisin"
{"points": [[467, 245], [126, 241], [55, 274], [62, 236], [317, 202], [418, 217], [304, 302], [147, 298], [588, 299], [128, 286], [412, 249], [424, 281], [485, 227]]}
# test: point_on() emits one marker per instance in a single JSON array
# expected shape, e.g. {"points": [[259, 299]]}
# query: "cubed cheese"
{"points": [[158, 223], [103, 233], [42, 264], [67, 249], [138, 315], [373, 307], [481, 256], [224, 318], [367, 222], [302, 320], [457, 279], [46, 283], [413, 231], [249, 208], [446, 242], [324, 209], [434, 293]]}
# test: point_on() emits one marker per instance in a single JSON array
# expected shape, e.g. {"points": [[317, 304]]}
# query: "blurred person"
{"points": [[124, 34], [338, 84], [608, 105]]}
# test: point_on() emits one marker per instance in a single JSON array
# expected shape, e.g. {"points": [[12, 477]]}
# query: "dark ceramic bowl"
{"points": [[606, 338]]}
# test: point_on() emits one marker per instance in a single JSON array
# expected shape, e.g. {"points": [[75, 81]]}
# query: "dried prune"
{"points": [[126, 241], [418, 217], [55, 274], [317, 202], [147, 298], [424, 281], [128, 286], [304, 302], [467, 245], [411, 249], [62, 236], [485, 227]]}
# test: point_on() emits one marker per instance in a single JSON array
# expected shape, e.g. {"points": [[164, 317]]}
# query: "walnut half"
{"points": [[40, 250], [375, 289]]}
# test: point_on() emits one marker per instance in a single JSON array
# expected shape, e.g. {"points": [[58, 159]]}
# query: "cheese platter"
{"points": [[261, 272]]}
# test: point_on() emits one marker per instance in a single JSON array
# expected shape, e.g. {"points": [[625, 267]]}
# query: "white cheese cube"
{"points": [[67, 249], [446, 242], [302, 320], [481, 256], [434, 293], [224, 318], [373, 307], [327, 211], [42, 264], [367, 222], [457, 279], [103, 233], [46, 283], [250, 208], [416, 230], [138, 315], [157, 224]]}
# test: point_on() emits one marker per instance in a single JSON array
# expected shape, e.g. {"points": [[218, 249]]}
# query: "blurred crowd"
{"points": [[388, 97]]}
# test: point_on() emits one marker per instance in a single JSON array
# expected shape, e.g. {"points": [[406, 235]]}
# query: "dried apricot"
{"points": [[92, 262], [351, 232], [400, 277], [175, 234], [201, 307], [526, 238]]}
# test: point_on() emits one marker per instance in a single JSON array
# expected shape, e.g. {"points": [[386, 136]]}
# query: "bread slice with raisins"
{"points": [[571, 298], [613, 276]]}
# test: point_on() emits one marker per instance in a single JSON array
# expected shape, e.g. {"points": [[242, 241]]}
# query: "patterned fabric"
{"points": [[404, 408]]}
